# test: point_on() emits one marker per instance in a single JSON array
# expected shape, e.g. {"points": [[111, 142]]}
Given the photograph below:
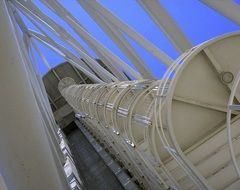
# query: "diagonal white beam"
{"points": [[31, 15], [28, 42], [166, 24], [30, 9], [119, 39], [59, 31], [227, 8], [64, 53], [95, 45], [57, 48], [44, 60], [160, 55]]}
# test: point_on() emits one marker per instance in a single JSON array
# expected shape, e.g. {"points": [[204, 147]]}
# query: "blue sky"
{"points": [[198, 22]]}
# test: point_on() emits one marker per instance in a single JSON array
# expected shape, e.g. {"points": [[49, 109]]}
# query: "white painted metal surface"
{"points": [[172, 132], [27, 154]]}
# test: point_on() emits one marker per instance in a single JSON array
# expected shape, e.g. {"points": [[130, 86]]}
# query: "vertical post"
{"points": [[26, 160]]}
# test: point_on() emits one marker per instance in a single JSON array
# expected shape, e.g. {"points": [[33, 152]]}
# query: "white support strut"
{"points": [[166, 24]]}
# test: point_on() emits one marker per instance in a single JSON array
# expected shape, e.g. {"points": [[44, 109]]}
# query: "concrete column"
{"points": [[26, 160]]}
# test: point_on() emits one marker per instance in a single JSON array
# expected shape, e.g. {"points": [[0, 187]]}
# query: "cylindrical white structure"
{"points": [[26, 160], [170, 133]]}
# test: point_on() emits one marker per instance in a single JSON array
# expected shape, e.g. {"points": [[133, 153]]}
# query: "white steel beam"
{"points": [[29, 9], [32, 11], [114, 63], [227, 8], [28, 14], [166, 24], [202, 104], [119, 40], [55, 47], [44, 60], [160, 55], [63, 52]]}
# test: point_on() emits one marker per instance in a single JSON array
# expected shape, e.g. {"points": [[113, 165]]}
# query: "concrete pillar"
{"points": [[26, 160]]}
